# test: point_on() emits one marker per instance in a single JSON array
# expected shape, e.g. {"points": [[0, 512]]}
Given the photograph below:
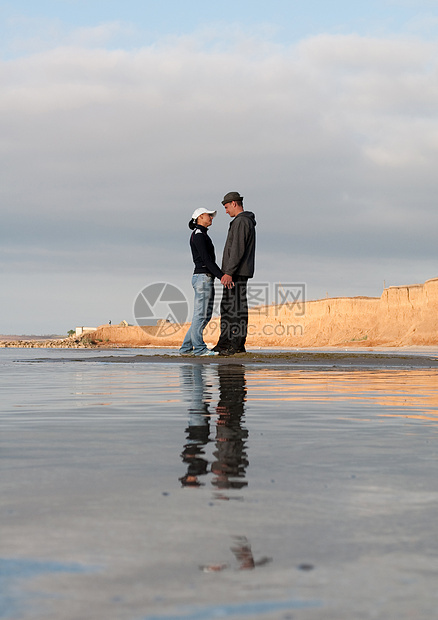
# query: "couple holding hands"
{"points": [[237, 267]]}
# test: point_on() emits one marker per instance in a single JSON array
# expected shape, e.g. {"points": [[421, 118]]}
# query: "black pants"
{"points": [[234, 316]]}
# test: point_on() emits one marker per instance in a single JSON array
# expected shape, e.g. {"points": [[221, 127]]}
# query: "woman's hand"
{"points": [[227, 281]]}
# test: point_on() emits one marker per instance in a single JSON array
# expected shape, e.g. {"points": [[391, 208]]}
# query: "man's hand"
{"points": [[227, 281]]}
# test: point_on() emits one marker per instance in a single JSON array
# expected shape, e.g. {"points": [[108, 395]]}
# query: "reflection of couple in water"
{"points": [[230, 457]]}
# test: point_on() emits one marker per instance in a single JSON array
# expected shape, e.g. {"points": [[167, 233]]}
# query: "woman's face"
{"points": [[205, 219]]}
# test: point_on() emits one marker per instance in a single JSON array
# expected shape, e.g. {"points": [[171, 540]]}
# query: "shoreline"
{"points": [[316, 359], [68, 343]]}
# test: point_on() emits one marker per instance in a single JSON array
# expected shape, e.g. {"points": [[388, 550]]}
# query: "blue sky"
{"points": [[147, 22], [118, 119], [292, 18]]}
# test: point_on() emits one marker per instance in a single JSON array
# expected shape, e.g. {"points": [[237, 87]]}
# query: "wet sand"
{"points": [[329, 358]]}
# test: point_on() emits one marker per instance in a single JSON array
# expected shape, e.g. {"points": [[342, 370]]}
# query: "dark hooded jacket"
{"points": [[239, 252]]}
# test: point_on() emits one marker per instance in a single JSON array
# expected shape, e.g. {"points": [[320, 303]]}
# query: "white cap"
{"points": [[200, 211]]}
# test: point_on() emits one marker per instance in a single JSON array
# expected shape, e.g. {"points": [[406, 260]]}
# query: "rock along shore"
{"points": [[55, 343]]}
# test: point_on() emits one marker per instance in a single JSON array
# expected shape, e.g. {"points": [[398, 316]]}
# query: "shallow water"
{"points": [[183, 490]]}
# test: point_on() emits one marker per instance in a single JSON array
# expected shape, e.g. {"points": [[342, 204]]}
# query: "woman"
{"points": [[204, 274]]}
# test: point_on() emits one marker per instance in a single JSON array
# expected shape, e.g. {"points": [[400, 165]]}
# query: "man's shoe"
{"points": [[188, 354], [209, 353], [227, 352]]}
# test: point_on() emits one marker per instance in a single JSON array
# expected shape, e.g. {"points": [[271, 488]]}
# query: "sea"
{"points": [[136, 484]]}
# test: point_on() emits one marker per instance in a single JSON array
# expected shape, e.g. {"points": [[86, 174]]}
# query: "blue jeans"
{"points": [[202, 311]]}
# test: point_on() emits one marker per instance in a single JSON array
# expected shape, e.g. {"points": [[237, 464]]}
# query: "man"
{"points": [[238, 266]]}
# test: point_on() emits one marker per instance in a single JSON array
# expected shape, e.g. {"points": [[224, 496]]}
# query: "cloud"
{"points": [[333, 142]]}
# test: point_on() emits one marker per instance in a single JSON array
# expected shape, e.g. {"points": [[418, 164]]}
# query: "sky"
{"points": [[119, 119]]}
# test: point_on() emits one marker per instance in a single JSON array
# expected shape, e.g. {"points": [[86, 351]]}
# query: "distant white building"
{"points": [[84, 330]]}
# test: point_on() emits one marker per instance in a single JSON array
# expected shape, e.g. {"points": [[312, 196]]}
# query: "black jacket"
{"points": [[239, 251], [203, 252]]}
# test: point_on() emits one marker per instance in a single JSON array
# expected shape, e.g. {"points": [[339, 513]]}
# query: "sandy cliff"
{"points": [[402, 316]]}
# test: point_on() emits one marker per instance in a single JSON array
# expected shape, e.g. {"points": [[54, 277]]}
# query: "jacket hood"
{"points": [[249, 214]]}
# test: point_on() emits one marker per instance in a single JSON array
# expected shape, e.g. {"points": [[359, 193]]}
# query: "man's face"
{"points": [[231, 208]]}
